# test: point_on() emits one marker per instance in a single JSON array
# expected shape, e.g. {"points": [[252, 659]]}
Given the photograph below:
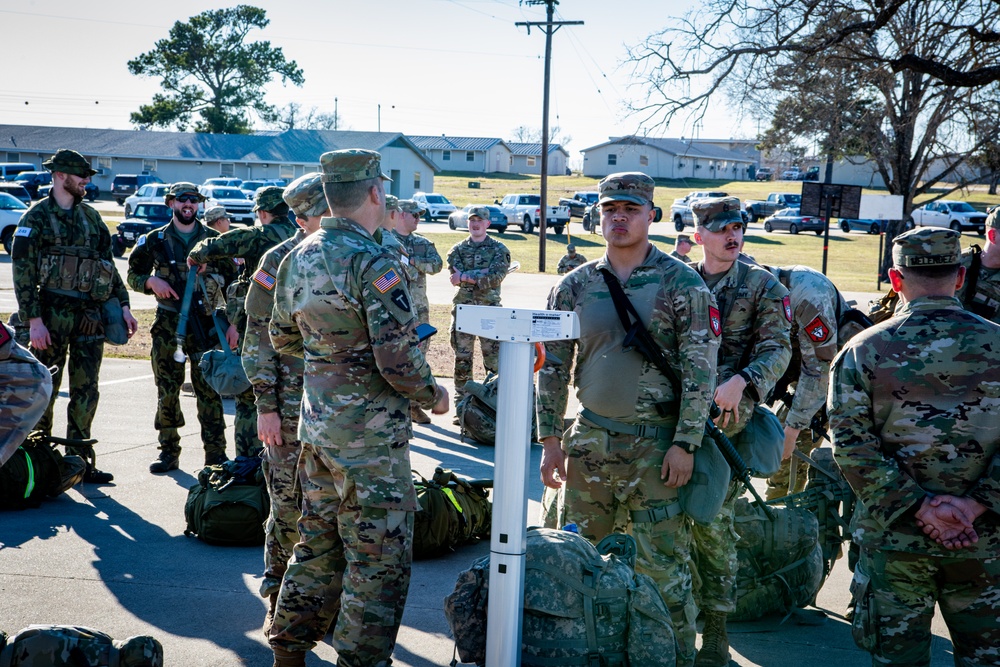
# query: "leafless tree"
{"points": [[292, 117]]}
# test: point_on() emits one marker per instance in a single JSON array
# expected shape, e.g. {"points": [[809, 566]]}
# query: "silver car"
{"points": [[460, 219], [793, 221]]}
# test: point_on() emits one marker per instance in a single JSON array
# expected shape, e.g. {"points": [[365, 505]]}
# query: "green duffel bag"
{"points": [[37, 471], [229, 504]]}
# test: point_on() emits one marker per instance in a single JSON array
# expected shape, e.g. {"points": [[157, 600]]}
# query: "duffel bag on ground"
{"points": [[37, 471], [452, 512], [229, 504], [73, 646]]}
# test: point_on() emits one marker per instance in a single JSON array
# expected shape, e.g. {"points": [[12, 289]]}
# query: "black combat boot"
{"points": [[714, 641], [165, 462], [95, 476]]}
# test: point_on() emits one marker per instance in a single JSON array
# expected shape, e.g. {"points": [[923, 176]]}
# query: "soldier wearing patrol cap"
{"points": [[756, 318], [217, 218], [980, 292], [682, 248], [913, 417], [248, 244], [341, 302], [570, 260], [64, 271], [641, 422]]}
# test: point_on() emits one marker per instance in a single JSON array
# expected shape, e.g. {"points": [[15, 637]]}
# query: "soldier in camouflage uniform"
{"points": [[913, 415], [341, 302], [63, 271], [156, 266], [218, 219], [682, 248], [249, 244], [631, 447], [25, 389], [755, 351], [277, 385], [423, 260], [570, 260], [984, 283], [477, 265]]}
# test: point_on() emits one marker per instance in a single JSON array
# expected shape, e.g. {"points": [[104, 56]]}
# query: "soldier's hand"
{"points": [[130, 322], [232, 336], [443, 405], [269, 428], [456, 278], [201, 267], [677, 467], [791, 436], [40, 338], [553, 465], [727, 397], [947, 522], [161, 288]]}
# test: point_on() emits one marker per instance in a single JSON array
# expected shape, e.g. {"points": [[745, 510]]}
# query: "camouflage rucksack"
{"points": [[452, 512], [579, 607], [229, 504], [477, 411], [37, 471], [73, 646]]}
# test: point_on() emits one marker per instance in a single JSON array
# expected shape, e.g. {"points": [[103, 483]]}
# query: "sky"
{"points": [[420, 67]]}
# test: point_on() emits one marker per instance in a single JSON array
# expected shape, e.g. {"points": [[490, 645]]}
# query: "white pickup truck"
{"points": [[957, 215], [526, 210]]}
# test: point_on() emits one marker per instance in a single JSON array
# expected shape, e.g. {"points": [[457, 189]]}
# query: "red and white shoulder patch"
{"points": [[817, 330], [715, 320], [786, 304]]}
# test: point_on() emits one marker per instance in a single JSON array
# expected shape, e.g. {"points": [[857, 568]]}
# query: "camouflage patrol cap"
{"points": [[268, 198], [993, 219], [570, 247], [480, 212], [633, 186], [410, 206], [69, 162], [927, 246], [683, 238], [215, 213], [350, 165], [715, 213], [182, 188], [391, 203], [305, 197]]}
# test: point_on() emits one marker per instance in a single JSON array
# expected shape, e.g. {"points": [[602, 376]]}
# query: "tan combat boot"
{"points": [[714, 641], [418, 416], [283, 658]]}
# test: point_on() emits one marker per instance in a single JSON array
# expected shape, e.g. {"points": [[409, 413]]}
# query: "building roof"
{"points": [[533, 148], [446, 143], [682, 148]]}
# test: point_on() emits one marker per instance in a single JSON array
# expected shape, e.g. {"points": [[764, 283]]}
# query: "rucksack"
{"points": [[37, 471], [580, 608], [452, 512], [229, 504], [477, 411], [76, 646]]}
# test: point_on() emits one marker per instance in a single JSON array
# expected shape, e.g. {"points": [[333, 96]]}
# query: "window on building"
{"points": [[227, 169], [149, 165], [644, 160], [416, 180], [13, 157], [470, 156], [286, 171], [612, 159], [531, 160], [104, 164], [446, 156]]}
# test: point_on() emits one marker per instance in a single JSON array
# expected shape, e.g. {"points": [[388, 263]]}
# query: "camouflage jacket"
{"points": [[986, 301], [341, 303], [683, 258], [250, 243], [35, 236], [756, 318], [913, 412], [678, 311], [268, 371], [424, 259], [162, 253], [487, 262], [567, 263]]}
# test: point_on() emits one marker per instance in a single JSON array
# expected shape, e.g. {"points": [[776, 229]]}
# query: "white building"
{"points": [[667, 159]]}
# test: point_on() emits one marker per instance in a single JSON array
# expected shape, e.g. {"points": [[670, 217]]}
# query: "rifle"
{"points": [[182, 321]]}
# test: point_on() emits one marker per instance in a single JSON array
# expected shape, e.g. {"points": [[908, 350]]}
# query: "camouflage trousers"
{"points": [[245, 428], [464, 346], [777, 484], [355, 549], [423, 309], [25, 388], [169, 376], [903, 590], [280, 467], [715, 561], [63, 318], [607, 474]]}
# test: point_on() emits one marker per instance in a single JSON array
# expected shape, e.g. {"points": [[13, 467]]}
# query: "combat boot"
{"points": [[418, 416], [714, 641], [283, 658], [95, 476], [215, 459], [164, 463]]}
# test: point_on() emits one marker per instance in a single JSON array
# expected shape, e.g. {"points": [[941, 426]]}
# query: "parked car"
{"points": [[436, 206], [93, 192], [957, 215], [32, 180], [239, 208], [226, 181], [869, 226], [526, 210], [680, 210], [794, 222], [11, 210], [578, 203], [16, 190], [792, 174], [150, 193], [764, 174], [125, 185], [251, 187], [460, 219], [812, 174], [756, 209], [146, 217]]}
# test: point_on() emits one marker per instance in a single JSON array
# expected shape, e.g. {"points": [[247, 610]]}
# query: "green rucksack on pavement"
{"points": [[37, 471], [73, 646], [452, 512], [229, 504]]}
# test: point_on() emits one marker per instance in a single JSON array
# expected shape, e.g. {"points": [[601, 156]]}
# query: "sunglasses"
{"points": [[188, 199]]}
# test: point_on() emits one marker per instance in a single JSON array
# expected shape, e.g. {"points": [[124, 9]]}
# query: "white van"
{"points": [[9, 170]]}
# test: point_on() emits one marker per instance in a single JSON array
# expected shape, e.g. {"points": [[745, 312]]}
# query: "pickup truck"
{"points": [[579, 202], [957, 215], [525, 210], [680, 210], [758, 210]]}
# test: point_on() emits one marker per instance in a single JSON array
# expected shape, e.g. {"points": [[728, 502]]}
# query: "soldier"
{"points": [[570, 260], [341, 302], [64, 271], [156, 266], [277, 386], [423, 260], [386, 232], [218, 219], [913, 415], [631, 446], [250, 244], [980, 292], [478, 265], [682, 248], [25, 389], [754, 353]]}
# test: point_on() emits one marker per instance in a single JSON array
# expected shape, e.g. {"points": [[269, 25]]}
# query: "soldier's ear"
{"points": [[960, 278]]}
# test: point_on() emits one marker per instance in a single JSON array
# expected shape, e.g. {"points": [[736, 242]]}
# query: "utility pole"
{"points": [[336, 113], [550, 28]]}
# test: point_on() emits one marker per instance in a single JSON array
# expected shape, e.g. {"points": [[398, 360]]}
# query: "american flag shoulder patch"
{"points": [[264, 279], [387, 281]]}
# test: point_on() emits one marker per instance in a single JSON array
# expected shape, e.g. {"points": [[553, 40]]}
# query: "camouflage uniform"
{"points": [[912, 407], [25, 388], [424, 260], [342, 304], [609, 469], [488, 262], [161, 252], [570, 261], [63, 269], [681, 238], [249, 243], [986, 301]]}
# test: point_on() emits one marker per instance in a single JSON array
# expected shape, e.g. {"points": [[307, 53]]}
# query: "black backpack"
{"points": [[37, 471]]}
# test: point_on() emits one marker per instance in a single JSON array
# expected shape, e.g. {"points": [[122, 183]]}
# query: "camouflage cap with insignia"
{"points": [[182, 188], [411, 207], [215, 213], [927, 246], [350, 165], [269, 198], [305, 196], [715, 213], [633, 186], [683, 238], [391, 203], [69, 162], [480, 212]]}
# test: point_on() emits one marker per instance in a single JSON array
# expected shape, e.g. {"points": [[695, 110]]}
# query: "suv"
{"points": [[436, 207], [227, 181], [764, 174], [125, 185], [150, 193], [251, 187], [16, 190], [239, 208], [145, 219], [32, 180]]}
